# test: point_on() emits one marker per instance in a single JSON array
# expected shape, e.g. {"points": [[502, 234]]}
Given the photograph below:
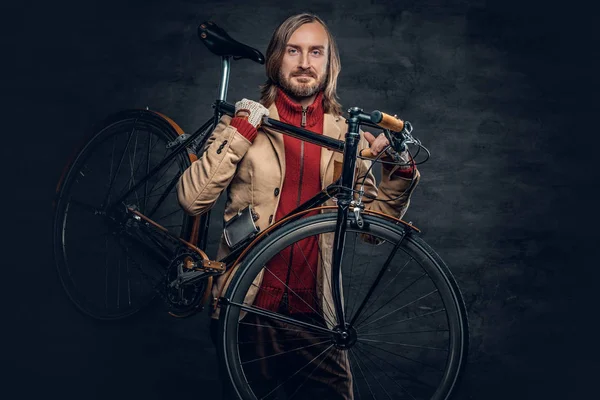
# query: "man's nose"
{"points": [[304, 61]]}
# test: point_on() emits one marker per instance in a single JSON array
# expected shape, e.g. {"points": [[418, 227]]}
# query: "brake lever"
{"points": [[399, 140]]}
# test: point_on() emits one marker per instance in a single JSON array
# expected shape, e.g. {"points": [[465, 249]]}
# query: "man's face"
{"points": [[304, 66]]}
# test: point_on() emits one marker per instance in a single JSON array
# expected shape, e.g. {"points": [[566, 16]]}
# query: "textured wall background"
{"points": [[499, 92]]}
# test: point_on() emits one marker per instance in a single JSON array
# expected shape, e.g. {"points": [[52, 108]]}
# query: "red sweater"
{"points": [[295, 266]]}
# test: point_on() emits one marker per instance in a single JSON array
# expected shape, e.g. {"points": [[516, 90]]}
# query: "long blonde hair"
{"points": [[274, 58]]}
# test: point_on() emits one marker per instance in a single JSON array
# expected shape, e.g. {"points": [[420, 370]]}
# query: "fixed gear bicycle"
{"points": [[395, 325]]}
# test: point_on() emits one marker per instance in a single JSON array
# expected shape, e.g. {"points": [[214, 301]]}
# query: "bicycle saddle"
{"points": [[221, 44]]}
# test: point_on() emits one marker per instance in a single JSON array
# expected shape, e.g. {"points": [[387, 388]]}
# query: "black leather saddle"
{"points": [[221, 44]]}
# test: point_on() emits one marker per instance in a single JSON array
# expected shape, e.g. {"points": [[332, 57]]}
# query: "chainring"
{"points": [[183, 299]]}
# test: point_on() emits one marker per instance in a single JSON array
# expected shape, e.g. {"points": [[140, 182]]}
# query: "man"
{"points": [[275, 173]]}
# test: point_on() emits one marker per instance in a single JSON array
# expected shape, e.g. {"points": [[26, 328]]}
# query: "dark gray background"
{"points": [[501, 93]]}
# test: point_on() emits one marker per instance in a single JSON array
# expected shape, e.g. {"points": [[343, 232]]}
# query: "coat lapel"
{"points": [[332, 129], [276, 140]]}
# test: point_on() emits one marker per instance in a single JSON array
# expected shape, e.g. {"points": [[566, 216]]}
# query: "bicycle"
{"points": [[398, 330]]}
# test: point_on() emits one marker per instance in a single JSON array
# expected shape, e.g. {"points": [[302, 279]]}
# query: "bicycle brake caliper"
{"points": [[358, 207], [179, 139]]}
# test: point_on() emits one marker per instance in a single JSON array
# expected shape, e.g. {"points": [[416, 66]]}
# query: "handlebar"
{"points": [[399, 136], [366, 153], [387, 121]]}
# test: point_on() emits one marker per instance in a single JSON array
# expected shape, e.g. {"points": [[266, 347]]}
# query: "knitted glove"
{"points": [[250, 110], [406, 163]]}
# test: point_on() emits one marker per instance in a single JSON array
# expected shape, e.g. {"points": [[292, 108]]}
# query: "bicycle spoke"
{"points": [[384, 268], [269, 326], [280, 317], [363, 374], [164, 195], [399, 308], [402, 356], [281, 340], [305, 365], [147, 169], [281, 328], [274, 296], [404, 332], [350, 276], [402, 344], [158, 193], [177, 210], [285, 352], [375, 377], [357, 389], [409, 319], [165, 170], [131, 181], [293, 292], [362, 279], [383, 305], [311, 372], [326, 282], [112, 181], [316, 300], [383, 290], [386, 374], [85, 206]]}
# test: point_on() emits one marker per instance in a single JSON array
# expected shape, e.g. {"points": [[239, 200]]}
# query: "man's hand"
{"points": [[250, 110], [406, 165], [377, 144]]}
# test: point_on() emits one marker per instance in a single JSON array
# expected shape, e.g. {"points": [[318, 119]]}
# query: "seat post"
{"points": [[225, 68]]}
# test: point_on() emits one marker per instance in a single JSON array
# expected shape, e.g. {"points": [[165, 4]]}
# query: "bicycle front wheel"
{"points": [[407, 333], [106, 275]]}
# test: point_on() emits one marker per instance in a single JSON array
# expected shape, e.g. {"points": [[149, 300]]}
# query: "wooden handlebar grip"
{"points": [[387, 121], [366, 153]]}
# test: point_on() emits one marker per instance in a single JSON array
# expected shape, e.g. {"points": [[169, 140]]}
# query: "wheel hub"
{"points": [[344, 338]]}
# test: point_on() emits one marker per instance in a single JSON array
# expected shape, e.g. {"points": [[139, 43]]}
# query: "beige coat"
{"points": [[254, 173]]}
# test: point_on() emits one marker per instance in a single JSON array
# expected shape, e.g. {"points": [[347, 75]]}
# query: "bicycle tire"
{"points": [[260, 376], [80, 231]]}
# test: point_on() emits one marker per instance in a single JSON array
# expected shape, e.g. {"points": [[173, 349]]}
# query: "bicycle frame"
{"points": [[343, 191]]}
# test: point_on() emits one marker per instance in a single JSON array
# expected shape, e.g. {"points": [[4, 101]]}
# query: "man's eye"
{"points": [[292, 51]]}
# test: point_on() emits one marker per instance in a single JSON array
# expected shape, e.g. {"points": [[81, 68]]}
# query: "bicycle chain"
{"points": [[179, 249], [146, 276]]}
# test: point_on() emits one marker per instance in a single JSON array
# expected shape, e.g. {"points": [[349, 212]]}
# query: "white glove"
{"points": [[252, 110]]}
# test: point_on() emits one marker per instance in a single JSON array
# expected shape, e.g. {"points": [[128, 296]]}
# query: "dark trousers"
{"points": [[281, 361]]}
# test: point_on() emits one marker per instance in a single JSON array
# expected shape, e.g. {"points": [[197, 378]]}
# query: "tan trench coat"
{"points": [[254, 173]]}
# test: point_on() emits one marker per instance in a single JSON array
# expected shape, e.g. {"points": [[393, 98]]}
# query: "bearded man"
{"points": [[275, 173]]}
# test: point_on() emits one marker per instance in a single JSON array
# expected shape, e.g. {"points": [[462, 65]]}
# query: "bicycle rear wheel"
{"points": [[105, 273], [409, 332]]}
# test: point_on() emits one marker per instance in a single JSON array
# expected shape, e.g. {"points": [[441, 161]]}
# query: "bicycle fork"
{"points": [[344, 201]]}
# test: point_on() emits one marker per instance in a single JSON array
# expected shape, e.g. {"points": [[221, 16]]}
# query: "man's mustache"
{"points": [[305, 73]]}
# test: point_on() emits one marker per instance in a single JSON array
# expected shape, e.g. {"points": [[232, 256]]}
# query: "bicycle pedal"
{"points": [[210, 266]]}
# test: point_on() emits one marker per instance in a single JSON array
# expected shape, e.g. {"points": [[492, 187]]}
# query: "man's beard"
{"points": [[301, 89]]}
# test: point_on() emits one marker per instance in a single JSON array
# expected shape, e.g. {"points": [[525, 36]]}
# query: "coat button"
{"points": [[270, 218], [276, 192]]}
